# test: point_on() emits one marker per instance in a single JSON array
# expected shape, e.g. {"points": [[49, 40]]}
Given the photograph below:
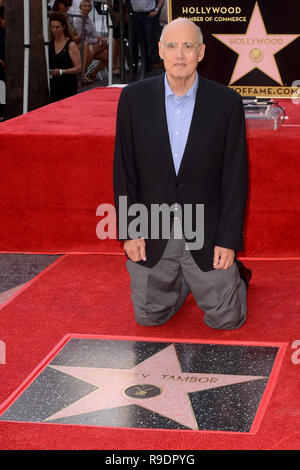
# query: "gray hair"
{"points": [[187, 21]]}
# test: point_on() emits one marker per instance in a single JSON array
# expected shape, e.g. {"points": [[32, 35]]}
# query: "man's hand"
{"points": [[135, 249], [152, 14], [223, 257]]}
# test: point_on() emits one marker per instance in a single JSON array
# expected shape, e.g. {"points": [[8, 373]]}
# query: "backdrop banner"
{"points": [[251, 46]]}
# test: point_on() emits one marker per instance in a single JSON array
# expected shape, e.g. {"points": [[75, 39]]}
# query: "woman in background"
{"points": [[64, 59], [96, 47]]}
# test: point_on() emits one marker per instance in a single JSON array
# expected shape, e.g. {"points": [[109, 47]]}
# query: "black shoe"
{"points": [[245, 273]]}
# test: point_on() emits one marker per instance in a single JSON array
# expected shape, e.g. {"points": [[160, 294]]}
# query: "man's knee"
{"points": [[229, 315], [153, 318], [225, 323]]}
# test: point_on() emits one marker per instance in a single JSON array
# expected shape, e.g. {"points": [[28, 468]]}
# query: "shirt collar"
{"points": [[191, 93]]}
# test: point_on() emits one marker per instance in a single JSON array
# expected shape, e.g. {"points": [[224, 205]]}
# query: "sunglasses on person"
{"points": [[67, 3]]}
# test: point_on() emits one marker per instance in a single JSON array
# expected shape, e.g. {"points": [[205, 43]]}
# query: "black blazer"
{"points": [[213, 170]]}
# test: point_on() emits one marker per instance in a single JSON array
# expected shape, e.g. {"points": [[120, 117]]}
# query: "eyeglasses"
{"points": [[187, 47]]}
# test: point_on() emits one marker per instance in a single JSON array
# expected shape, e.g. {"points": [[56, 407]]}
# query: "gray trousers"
{"points": [[158, 293]]}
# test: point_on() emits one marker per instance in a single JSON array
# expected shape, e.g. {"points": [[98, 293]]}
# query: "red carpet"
{"points": [[74, 296], [57, 168], [57, 163]]}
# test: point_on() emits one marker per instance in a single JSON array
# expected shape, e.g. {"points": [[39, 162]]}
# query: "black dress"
{"points": [[61, 86], [2, 52]]}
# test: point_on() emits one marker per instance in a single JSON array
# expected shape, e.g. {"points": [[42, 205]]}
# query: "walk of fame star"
{"points": [[157, 384], [256, 48], [151, 384]]}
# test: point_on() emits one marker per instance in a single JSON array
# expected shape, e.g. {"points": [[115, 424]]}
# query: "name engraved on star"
{"points": [[165, 377], [105, 373], [178, 378]]}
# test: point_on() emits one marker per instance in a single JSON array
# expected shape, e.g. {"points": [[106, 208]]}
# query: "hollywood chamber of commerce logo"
{"points": [[256, 48]]}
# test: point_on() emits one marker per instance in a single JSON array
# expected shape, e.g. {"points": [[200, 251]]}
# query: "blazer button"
{"points": [[179, 186]]}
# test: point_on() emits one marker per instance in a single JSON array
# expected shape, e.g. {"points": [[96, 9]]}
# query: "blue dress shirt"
{"points": [[179, 112]]}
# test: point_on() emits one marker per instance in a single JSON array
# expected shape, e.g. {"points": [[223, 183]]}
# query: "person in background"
{"points": [[144, 13], [96, 48], [2, 42], [64, 58], [116, 68], [74, 10], [62, 6]]}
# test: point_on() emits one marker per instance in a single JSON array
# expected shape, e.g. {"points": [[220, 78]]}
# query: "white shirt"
{"points": [[143, 5]]}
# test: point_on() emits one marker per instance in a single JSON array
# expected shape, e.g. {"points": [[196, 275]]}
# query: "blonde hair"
{"points": [[88, 1]]}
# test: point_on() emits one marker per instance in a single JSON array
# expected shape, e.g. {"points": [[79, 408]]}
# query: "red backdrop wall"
{"points": [[56, 169]]}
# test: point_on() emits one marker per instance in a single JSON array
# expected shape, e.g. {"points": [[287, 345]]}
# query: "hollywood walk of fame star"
{"points": [[157, 384], [256, 48]]}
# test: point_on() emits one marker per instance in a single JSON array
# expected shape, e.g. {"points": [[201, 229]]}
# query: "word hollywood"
{"points": [[160, 222], [212, 10], [256, 41]]}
